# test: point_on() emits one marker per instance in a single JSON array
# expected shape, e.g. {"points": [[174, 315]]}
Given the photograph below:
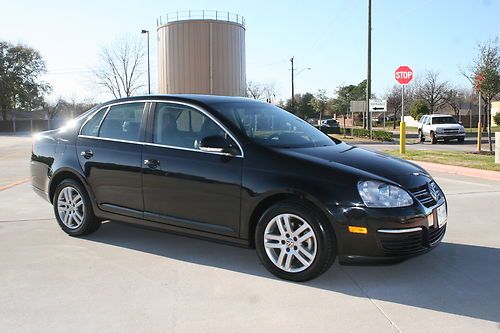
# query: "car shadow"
{"points": [[458, 279]]}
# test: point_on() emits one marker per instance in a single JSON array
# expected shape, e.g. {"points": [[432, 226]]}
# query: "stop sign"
{"points": [[403, 74]]}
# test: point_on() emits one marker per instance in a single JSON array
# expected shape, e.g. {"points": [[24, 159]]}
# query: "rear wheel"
{"points": [[293, 242], [433, 138], [73, 209], [421, 136]]}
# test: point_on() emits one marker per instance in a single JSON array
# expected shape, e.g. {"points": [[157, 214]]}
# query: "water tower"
{"points": [[201, 52]]}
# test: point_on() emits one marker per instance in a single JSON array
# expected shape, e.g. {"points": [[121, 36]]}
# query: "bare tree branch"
{"points": [[121, 68]]}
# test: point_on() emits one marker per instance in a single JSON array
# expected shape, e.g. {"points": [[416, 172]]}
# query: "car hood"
{"points": [[366, 161]]}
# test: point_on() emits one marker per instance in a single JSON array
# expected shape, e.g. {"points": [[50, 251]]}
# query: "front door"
{"points": [[183, 185]]}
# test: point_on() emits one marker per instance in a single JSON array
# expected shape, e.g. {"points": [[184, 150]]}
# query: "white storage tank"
{"points": [[201, 52]]}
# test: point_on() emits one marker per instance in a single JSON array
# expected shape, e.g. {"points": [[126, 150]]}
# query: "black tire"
{"points": [[433, 138], [89, 222], [325, 242], [461, 140], [421, 136]]}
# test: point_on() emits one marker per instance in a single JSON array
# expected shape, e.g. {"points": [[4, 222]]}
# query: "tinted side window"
{"points": [[91, 128], [123, 122], [182, 126]]}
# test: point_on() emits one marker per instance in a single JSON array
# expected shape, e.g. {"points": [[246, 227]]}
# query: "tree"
{"points": [[320, 102], [121, 68], [20, 84], [261, 91], [432, 91], [393, 97], [419, 108], [455, 99], [484, 74], [346, 94], [254, 90]]}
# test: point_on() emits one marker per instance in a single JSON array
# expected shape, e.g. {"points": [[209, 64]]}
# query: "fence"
{"points": [[33, 125]]}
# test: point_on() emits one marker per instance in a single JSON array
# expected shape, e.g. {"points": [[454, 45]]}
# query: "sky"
{"points": [[329, 37]]}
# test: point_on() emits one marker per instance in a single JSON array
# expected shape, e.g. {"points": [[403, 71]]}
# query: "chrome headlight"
{"points": [[439, 130], [381, 195]]}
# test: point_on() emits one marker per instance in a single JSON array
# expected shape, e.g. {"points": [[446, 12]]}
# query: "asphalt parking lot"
{"points": [[125, 279]]}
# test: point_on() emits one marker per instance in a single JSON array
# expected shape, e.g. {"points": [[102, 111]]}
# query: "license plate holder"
{"points": [[441, 215]]}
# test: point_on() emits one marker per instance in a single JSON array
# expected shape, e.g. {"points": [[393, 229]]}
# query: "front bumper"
{"points": [[449, 135], [392, 233]]}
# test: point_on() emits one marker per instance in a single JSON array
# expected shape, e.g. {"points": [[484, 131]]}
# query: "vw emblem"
{"points": [[434, 191]]}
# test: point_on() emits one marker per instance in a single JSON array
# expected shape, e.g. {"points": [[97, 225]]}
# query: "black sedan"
{"points": [[238, 171]]}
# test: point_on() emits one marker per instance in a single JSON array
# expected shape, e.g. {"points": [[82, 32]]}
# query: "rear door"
{"points": [[109, 149], [183, 185]]}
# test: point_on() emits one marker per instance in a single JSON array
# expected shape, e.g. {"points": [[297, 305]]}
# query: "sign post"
{"points": [[477, 83], [403, 75]]}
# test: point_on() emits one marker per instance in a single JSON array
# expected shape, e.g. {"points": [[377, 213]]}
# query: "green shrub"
{"points": [[496, 118]]}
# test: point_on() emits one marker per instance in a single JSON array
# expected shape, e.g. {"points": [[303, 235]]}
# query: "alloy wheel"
{"points": [[70, 207], [290, 243]]}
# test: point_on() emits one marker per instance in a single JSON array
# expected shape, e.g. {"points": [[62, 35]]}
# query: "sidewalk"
{"points": [[461, 171]]}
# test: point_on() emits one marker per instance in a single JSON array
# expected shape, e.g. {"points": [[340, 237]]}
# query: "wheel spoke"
{"points": [[286, 219], [273, 245], [299, 230], [301, 259], [272, 237], [279, 262], [288, 262], [307, 235], [281, 228], [306, 253]]}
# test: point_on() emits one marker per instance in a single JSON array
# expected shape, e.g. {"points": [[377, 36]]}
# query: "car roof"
{"points": [[440, 115], [204, 99]]}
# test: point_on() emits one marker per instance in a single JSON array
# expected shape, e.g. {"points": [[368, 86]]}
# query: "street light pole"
{"points": [[149, 72], [293, 88]]}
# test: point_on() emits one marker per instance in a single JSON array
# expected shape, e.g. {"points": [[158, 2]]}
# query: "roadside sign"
{"points": [[403, 75], [378, 105], [358, 106]]}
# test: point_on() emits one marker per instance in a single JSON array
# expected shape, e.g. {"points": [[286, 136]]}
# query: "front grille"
{"points": [[435, 235], [408, 243], [451, 131], [423, 195], [402, 244]]}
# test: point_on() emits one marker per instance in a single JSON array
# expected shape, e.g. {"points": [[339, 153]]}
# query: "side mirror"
{"points": [[460, 122], [217, 144]]}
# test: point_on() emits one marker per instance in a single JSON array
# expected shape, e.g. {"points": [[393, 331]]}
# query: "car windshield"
{"points": [[444, 120], [269, 125]]}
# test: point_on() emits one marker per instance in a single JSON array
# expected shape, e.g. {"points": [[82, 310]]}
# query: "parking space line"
{"points": [[3, 188]]}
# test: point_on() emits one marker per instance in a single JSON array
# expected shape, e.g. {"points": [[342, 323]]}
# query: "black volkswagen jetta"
{"points": [[239, 171]]}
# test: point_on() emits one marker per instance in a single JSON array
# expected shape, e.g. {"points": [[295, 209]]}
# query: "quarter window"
{"points": [[91, 128], [123, 122], [182, 126]]}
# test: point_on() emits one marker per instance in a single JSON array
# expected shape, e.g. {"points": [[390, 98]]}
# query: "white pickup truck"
{"points": [[440, 127]]}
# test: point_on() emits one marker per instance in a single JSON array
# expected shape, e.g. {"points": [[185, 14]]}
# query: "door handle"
{"points": [[87, 154], [152, 164]]}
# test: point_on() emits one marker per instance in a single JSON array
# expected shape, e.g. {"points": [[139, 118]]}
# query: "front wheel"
{"points": [[433, 138], [461, 140], [294, 242], [73, 209]]}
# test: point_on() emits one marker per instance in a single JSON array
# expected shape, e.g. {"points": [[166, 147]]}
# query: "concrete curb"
{"points": [[459, 170]]}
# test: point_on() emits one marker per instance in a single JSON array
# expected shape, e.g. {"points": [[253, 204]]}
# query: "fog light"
{"points": [[358, 230]]}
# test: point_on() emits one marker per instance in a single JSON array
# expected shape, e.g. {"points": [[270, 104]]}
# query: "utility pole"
{"points": [[293, 88], [369, 69]]}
